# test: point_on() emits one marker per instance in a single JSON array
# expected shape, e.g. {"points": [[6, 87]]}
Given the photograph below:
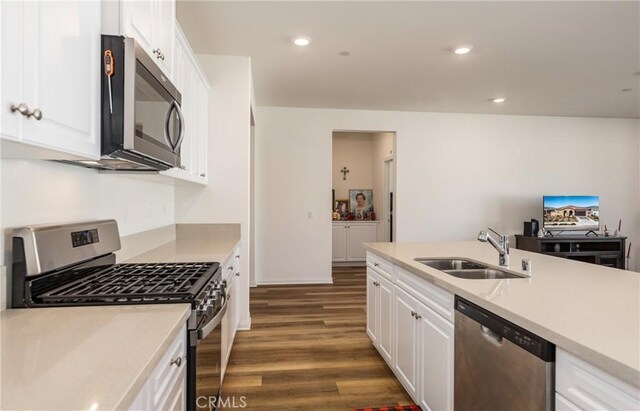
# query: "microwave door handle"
{"points": [[181, 132], [167, 133]]}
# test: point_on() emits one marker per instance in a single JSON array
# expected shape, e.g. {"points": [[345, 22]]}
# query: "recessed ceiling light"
{"points": [[301, 41], [463, 49], [499, 100]]}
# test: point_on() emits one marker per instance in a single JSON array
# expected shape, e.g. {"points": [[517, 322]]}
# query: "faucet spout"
{"points": [[502, 245]]}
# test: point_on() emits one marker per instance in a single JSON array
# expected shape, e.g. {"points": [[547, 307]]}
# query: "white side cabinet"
{"points": [[194, 88], [231, 274], [348, 237], [50, 56], [420, 347], [166, 388]]}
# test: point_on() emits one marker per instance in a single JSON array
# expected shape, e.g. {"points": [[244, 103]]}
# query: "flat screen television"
{"points": [[571, 213]]}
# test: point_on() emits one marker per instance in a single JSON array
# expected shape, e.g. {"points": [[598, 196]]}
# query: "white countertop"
{"points": [[82, 358], [588, 310], [179, 251]]}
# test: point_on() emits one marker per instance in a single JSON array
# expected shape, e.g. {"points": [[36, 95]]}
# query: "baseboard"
{"points": [[339, 264], [244, 325], [295, 282]]}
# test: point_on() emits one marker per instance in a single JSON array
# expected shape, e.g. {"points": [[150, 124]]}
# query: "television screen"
{"points": [[579, 213]]}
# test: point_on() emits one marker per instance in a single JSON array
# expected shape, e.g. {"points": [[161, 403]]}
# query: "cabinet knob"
{"points": [[376, 264], [177, 361], [203, 174], [238, 256], [413, 314], [230, 268], [418, 316], [23, 109], [238, 274]]}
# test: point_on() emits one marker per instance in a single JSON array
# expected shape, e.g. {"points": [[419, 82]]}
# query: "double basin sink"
{"points": [[461, 268]]}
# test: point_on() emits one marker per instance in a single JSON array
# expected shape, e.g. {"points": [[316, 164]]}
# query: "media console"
{"points": [[607, 251]]}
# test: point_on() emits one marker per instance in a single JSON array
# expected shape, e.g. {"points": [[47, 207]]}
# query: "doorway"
{"points": [[363, 184]]}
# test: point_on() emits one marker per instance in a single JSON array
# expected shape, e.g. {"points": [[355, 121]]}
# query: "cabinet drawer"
{"points": [[379, 264], [434, 297], [590, 388], [169, 370]]}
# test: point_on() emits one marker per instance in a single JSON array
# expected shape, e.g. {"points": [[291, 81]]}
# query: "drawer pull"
{"points": [[376, 264], [177, 362]]}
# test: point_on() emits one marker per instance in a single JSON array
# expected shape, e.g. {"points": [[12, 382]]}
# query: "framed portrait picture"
{"points": [[342, 206], [360, 202]]}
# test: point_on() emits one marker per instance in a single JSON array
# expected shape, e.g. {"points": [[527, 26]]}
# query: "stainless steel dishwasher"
{"points": [[498, 365]]}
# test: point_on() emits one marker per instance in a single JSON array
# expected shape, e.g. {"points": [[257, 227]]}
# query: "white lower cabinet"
{"points": [[420, 347], [231, 273], [379, 313], [348, 237], [166, 387], [582, 386]]}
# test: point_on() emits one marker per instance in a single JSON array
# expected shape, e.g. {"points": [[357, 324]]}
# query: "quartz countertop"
{"points": [[589, 310], [83, 358], [188, 250]]}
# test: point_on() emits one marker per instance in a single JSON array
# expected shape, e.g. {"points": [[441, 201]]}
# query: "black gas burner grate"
{"points": [[135, 282]]}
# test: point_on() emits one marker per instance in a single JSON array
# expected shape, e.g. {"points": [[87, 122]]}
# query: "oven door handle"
{"points": [[206, 329]]}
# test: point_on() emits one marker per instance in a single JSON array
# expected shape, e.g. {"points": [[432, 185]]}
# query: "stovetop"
{"points": [[118, 283]]}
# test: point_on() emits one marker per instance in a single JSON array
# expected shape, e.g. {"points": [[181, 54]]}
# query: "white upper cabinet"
{"points": [[152, 24], [194, 89], [51, 66]]}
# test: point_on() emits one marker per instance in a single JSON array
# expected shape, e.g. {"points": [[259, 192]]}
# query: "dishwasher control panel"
{"points": [[526, 340]]}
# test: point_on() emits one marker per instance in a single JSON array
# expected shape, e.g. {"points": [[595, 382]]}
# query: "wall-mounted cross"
{"points": [[344, 172]]}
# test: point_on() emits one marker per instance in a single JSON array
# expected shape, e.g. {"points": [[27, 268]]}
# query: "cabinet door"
{"points": [[11, 51], [372, 305], [203, 129], [385, 323], [436, 361], [339, 243], [406, 341], [139, 17], [356, 235], [177, 399], [59, 74], [164, 33]]}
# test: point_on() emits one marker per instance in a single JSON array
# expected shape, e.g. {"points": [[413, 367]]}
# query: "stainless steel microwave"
{"points": [[142, 124]]}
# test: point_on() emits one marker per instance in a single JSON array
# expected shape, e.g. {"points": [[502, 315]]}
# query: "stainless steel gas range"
{"points": [[75, 265]]}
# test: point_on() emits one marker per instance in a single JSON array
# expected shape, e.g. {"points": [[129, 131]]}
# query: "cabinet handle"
{"points": [[376, 264], [23, 109], [418, 316], [203, 174], [230, 268], [238, 274], [413, 314], [238, 256], [177, 362]]}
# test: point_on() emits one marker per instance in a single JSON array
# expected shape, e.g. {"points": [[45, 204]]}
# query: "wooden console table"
{"points": [[607, 251]]}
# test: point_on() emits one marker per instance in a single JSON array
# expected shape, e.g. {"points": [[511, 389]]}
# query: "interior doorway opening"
{"points": [[363, 185]]}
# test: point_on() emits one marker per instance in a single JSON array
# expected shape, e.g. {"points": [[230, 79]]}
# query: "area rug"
{"points": [[411, 407]]}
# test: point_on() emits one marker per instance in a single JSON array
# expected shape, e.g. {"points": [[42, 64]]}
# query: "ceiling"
{"points": [[546, 58]]}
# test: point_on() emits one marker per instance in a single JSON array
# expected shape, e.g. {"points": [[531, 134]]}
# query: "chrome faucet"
{"points": [[502, 245]]}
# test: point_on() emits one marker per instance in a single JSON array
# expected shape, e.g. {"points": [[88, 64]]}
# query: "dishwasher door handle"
{"points": [[491, 336]]}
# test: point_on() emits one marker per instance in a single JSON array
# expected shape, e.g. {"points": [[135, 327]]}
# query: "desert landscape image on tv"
{"points": [[571, 213]]}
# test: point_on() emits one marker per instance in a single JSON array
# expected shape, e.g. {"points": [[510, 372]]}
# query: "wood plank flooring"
{"points": [[308, 350]]}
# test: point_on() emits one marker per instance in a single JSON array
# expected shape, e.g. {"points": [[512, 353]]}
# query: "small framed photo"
{"points": [[361, 201], [342, 207]]}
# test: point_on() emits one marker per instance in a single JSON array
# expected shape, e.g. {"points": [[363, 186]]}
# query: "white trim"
{"points": [[244, 325]]}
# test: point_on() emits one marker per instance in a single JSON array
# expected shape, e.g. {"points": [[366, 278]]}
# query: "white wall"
{"points": [[354, 151], [226, 197], [41, 192], [456, 174]]}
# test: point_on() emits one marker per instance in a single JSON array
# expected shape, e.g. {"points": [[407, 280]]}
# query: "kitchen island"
{"points": [[589, 311]]}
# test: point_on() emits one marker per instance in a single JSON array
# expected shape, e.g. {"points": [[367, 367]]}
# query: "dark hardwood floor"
{"points": [[308, 350]]}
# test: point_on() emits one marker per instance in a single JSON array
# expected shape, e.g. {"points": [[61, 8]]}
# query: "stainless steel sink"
{"points": [[468, 269]]}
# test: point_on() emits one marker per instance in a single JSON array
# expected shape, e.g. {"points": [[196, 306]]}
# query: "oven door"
{"points": [[205, 360]]}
